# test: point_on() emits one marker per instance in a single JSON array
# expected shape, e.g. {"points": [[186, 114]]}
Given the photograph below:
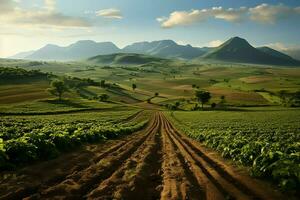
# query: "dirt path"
{"points": [[155, 163]]}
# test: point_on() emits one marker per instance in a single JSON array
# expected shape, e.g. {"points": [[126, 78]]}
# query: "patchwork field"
{"points": [[151, 141]]}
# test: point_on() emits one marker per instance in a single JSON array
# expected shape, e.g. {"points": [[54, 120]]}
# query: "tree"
{"points": [[213, 105], [103, 97], [58, 87], [222, 100], [177, 104], [134, 86], [283, 94], [297, 97], [203, 96], [102, 83]]}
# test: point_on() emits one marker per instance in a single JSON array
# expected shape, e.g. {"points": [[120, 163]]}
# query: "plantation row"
{"points": [[26, 140], [268, 142]]}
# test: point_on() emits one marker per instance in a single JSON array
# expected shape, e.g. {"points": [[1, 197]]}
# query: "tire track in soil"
{"points": [[139, 177], [178, 180]]}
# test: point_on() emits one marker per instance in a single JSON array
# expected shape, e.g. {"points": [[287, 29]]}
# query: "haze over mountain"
{"points": [[239, 50], [79, 50], [274, 52], [86, 48], [294, 52], [22, 55]]}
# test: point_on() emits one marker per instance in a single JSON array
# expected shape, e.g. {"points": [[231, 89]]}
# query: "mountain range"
{"points": [[165, 49], [77, 51], [234, 50]]}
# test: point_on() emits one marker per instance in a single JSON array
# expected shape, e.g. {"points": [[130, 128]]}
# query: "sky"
{"points": [[30, 24]]}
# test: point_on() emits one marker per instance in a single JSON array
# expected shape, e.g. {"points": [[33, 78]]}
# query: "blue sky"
{"points": [[30, 24]]}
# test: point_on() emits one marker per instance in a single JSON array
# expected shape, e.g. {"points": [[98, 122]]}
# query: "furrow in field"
{"points": [[81, 183], [138, 177], [213, 188], [178, 180], [231, 184], [78, 184]]}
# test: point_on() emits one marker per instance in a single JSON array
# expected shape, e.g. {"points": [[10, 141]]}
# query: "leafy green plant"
{"points": [[23, 141], [267, 142]]}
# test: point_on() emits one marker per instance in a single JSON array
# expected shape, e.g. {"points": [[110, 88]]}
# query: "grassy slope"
{"points": [[174, 80], [124, 58]]}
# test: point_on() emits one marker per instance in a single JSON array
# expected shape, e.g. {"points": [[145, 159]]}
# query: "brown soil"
{"points": [[155, 163]]}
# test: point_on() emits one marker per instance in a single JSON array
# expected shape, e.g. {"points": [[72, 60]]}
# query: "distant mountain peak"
{"points": [[76, 51], [168, 42], [236, 38], [85, 42], [237, 49], [164, 49], [237, 42], [50, 46]]}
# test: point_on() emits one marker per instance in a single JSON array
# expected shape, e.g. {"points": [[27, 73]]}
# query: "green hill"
{"points": [[239, 50], [124, 58]]}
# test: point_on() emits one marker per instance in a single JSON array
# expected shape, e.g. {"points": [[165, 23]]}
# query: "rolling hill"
{"points": [[239, 50], [124, 58], [77, 51], [164, 49]]}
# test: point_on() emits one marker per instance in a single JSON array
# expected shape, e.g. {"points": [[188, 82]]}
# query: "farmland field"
{"points": [[267, 141], [94, 104], [247, 148], [158, 158]]}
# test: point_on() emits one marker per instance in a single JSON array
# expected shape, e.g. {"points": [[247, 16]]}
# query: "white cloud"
{"points": [[161, 19], [232, 15], [215, 43], [263, 13], [12, 15], [50, 5], [182, 18], [6, 6], [110, 13], [282, 47]]}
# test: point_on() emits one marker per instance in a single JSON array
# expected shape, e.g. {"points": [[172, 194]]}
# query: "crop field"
{"points": [[24, 140], [267, 141], [16, 93], [103, 138], [155, 162], [149, 100]]}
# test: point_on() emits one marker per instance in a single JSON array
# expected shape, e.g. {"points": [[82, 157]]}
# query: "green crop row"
{"points": [[268, 142], [45, 140]]}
